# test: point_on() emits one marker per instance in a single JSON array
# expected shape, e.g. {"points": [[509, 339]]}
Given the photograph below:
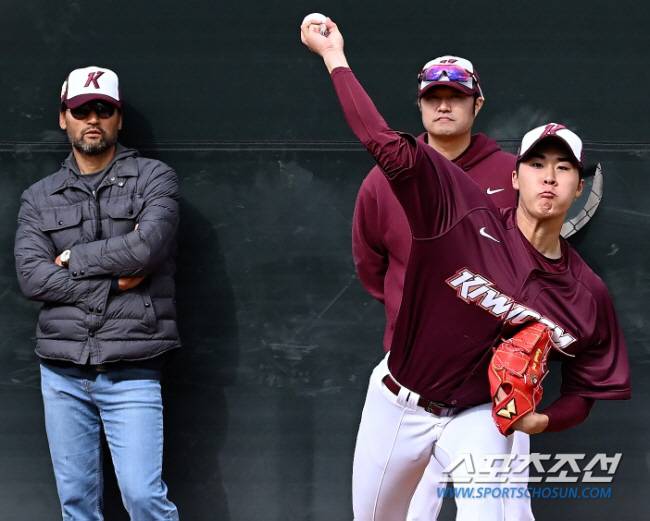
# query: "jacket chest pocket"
{"points": [[122, 214], [62, 225]]}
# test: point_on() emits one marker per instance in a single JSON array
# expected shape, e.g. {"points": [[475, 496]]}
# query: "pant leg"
{"points": [[426, 502], [73, 428], [519, 508], [473, 432], [130, 404], [393, 447]]}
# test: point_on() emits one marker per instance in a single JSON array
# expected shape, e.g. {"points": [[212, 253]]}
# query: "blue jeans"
{"points": [[128, 404]]}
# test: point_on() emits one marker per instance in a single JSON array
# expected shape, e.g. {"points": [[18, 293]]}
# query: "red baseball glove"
{"points": [[518, 367]]}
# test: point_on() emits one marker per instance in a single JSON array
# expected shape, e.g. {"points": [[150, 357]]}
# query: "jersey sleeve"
{"points": [[368, 248], [427, 185], [567, 411], [601, 371]]}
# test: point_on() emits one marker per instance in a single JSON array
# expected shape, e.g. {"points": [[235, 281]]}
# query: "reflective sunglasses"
{"points": [[103, 109], [452, 72]]}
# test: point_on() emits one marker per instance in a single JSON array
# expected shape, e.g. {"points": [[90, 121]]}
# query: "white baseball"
{"points": [[321, 19]]}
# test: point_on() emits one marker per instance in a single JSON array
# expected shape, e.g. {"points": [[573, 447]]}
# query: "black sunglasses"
{"points": [[103, 109]]}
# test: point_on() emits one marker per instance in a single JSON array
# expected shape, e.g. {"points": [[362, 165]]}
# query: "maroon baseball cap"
{"points": [[91, 83], [552, 131], [450, 71]]}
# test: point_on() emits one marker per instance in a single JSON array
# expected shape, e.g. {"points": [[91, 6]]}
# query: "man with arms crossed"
{"points": [[475, 274], [449, 98], [95, 244]]}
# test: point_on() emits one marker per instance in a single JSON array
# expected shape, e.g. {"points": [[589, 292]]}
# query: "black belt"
{"points": [[437, 408]]}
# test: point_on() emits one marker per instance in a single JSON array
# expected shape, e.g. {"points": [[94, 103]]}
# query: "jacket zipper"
{"points": [[98, 220]]}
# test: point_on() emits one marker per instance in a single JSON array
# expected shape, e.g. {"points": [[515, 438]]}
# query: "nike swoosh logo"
{"points": [[486, 234], [490, 191]]}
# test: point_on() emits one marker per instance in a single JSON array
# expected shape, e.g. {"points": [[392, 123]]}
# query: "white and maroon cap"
{"points": [[88, 84], [552, 130], [450, 71]]}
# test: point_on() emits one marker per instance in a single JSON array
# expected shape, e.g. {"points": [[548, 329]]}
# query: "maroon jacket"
{"points": [[473, 278], [381, 237]]}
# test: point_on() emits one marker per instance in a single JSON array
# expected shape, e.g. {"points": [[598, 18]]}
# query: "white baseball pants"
{"points": [[426, 502], [396, 441]]}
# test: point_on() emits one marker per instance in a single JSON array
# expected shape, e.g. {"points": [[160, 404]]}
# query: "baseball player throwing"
{"points": [[450, 96], [476, 275]]}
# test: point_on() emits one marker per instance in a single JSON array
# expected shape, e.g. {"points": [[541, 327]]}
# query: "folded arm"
{"points": [[39, 277], [137, 253]]}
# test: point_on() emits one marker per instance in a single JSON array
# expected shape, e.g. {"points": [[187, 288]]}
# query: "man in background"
{"points": [[95, 244]]}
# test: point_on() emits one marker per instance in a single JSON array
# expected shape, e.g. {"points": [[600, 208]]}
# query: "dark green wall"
{"points": [[263, 402]]}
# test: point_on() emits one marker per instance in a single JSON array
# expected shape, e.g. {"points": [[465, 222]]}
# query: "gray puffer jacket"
{"points": [[81, 320]]}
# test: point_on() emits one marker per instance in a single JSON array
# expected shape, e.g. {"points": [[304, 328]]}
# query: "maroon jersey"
{"points": [[381, 237], [473, 278]]}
